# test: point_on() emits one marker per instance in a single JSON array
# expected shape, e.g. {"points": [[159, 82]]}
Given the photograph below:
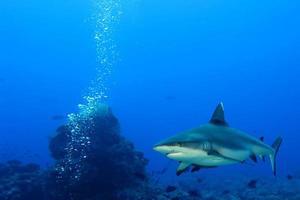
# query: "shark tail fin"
{"points": [[276, 145]]}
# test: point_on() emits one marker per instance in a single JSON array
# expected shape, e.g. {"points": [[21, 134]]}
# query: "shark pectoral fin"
{"points": [[262, 138], [253, 158], [196, 168], [182, 167], [262, 158]]}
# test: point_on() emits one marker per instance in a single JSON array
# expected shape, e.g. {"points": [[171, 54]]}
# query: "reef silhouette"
{"points": [[110, 168]]}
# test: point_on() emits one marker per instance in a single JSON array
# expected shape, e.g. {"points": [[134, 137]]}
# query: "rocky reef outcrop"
{"points": [[21, 181], [95, 161]]}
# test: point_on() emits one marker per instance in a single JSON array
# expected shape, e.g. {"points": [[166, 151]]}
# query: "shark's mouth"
{"points": [[174, 154]]}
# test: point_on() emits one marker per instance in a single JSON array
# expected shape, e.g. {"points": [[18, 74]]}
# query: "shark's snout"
{"points": [[162, 149], [168, 150]]}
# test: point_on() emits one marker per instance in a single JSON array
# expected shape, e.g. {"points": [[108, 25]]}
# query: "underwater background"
{"points": [[161, 67]]}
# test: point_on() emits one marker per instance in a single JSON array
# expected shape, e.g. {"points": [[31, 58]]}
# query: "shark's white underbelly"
{"points": [[199, 157], [212, 161]]}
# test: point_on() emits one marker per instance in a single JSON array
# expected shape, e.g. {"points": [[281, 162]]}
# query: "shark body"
{"points": [[215, 144]]}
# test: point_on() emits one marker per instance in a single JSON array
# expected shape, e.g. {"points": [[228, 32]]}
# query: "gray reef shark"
{"points": [[216, 144]]}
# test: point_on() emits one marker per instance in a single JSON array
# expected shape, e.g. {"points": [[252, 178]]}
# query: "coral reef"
{"points": [[94, 162], [269, 188], [20, 181], [105, 167]]}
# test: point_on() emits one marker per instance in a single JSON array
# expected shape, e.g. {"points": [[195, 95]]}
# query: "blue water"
{"points": [[176, 61]]}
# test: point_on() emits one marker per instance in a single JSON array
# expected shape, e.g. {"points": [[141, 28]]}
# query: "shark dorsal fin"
{"points": [[218, 117]]}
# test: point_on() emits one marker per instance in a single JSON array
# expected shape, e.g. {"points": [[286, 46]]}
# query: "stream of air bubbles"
{"points": [[107, 15]]}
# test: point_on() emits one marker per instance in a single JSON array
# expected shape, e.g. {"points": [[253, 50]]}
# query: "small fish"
{"points": [[14, 163], [289, 177], [170, 188], [164, 170], [252, 184], [194, 193], [58, 117], [199, 180], [140, 175], [225, 192]]}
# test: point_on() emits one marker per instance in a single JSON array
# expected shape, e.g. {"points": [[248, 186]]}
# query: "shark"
{"points": [[216, 144]]}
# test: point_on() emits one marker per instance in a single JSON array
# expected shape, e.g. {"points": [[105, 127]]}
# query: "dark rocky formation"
{"points": [[105, 166]]}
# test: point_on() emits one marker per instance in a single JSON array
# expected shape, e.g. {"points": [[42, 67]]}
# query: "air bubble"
{"points": [[108, 13]]}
